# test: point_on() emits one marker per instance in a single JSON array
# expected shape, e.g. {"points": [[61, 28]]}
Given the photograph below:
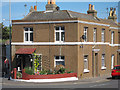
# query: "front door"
{"points": [[96, 64]]}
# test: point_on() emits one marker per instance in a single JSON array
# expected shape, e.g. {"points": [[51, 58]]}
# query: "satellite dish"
{"points": [[83, 37]]}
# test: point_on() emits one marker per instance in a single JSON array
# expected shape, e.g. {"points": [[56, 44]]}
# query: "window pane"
{"points": [[26, 36], [31, 29], [85, 33], [103, 60], [57, 57], [62, 36], [94, 35], [60, 62], [86, 62], [56, 28], [31, 36], [26, 29], [62, 57], [57, 36], [102, 35], [62, 28]]}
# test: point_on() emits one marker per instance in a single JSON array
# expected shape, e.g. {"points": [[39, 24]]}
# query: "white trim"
{"points": [[48, 80], [63, 43], [95, 50], [69, 21], [103, 67], [86, 70], [114, 28]]}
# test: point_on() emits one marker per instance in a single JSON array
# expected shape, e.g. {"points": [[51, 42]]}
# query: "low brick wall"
{"points": [[52, 76]]}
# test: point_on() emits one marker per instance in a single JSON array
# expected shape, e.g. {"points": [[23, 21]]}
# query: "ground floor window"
{"points": [[86, 63], [59, 60], [112, 61], [103, 61]]}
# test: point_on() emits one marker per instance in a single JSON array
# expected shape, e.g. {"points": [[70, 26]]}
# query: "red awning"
{"points": [[25, 51]]}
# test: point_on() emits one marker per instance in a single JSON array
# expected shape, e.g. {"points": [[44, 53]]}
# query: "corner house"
{"points": [[83, 43]]}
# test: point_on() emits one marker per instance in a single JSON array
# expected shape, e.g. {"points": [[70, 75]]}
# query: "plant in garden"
{"points": [[37, 59], [29, 71]]}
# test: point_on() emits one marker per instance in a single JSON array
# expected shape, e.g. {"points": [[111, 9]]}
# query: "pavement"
{"points": [[80, 80]]}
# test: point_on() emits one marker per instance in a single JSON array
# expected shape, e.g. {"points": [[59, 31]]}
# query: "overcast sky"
{"points": [[18, 10]]}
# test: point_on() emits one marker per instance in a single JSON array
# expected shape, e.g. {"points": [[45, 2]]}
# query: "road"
{"points": [[101, 83]]}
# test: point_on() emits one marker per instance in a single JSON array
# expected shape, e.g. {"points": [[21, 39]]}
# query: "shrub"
{"points": [[43, 72], [70, 72], [29, 71], [19, 75], [61, 70]]}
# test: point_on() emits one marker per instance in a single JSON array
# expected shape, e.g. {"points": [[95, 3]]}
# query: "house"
{"points": [[83, 43]]}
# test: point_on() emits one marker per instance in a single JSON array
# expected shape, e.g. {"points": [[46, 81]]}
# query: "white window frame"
{"points": [[112, 61], [60, 33], [103, 35], [86, 59], [29, 32], [58, 60], [85, 33], [112, 37], [103, 66], [41, 60], [94, 35]]}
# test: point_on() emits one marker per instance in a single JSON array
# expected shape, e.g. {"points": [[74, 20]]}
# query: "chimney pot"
{"points": [[92, 7], [35, 8], [48, 1], [53, 1], [89, 6]]}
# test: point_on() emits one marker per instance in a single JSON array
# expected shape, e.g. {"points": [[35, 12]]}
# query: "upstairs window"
{"points": [[112, 37], [28, 34], [94, 34], [60, 34], [103, 35], [85, 34]]}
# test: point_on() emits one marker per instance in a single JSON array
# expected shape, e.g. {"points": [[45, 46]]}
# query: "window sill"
{"points": [[86, 70], [103, 68], [28, 42]]}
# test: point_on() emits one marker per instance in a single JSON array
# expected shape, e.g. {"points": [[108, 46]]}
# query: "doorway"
{"points": [[96, 64]]}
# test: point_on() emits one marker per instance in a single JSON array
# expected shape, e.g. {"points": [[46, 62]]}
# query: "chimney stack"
{"points": [[51, 6], [35, 8], [92, 11], [112, 14]]}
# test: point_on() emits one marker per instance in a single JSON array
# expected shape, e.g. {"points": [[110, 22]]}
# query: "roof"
{"points": [[63, 14], [25, 51]]}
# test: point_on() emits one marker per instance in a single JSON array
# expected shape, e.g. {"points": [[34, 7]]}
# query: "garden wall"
{"points": [[52, 76]]}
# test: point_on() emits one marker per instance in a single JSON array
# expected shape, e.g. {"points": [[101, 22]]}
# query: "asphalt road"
{"points": [[103, 83]]}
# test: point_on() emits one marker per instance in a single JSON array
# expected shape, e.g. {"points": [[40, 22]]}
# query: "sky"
{"points": [[18, 10]]}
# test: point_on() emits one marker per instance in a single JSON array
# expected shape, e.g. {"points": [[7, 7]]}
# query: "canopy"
{"points": [[25, 51]]}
